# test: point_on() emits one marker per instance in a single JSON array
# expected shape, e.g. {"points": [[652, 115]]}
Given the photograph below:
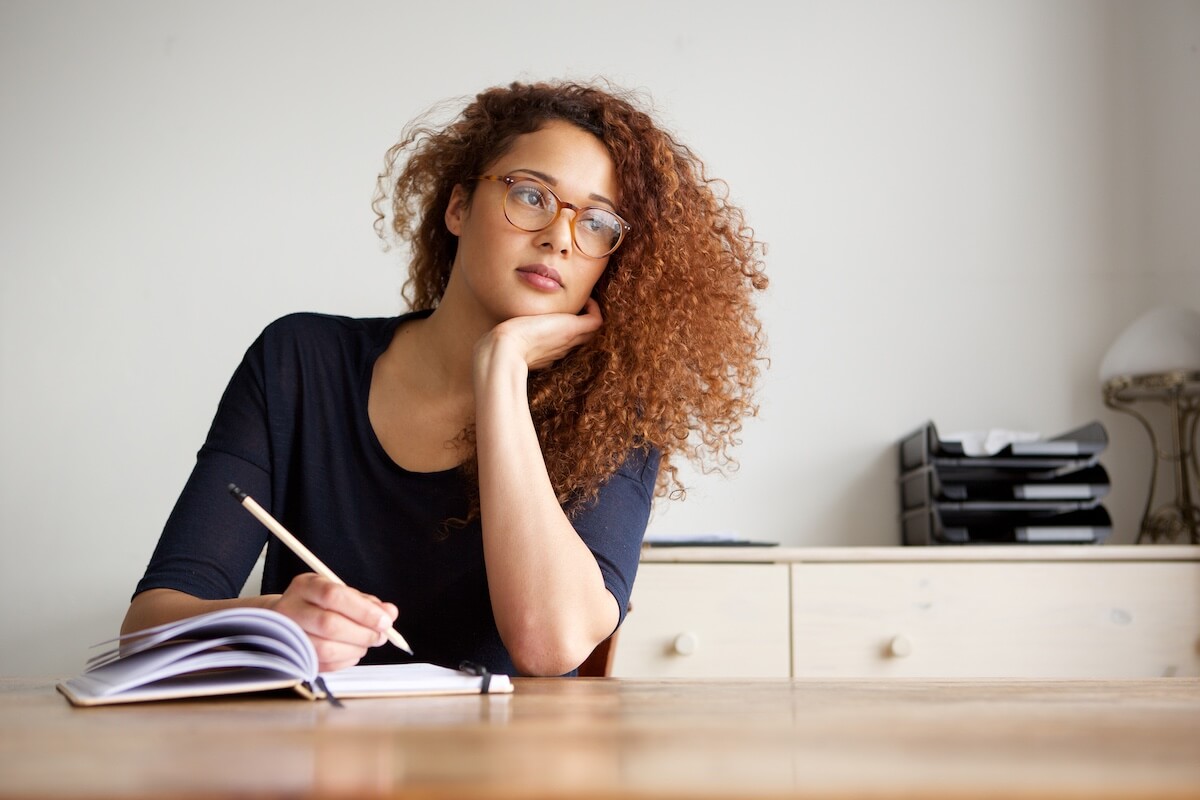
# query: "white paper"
{"points": [[991, 441], [366, 680]]}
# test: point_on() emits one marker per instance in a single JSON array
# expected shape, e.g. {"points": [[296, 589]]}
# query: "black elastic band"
{"points": [[324, 687], [485, 677]]}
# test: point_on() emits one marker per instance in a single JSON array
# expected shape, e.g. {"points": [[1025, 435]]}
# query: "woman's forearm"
{"points": [[156, 606], [547, 593]]}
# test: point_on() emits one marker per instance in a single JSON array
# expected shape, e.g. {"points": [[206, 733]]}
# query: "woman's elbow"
{"points": [[539, 654]]}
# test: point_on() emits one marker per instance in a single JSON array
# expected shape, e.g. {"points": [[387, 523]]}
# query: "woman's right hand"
{"points": [[341, 622]]}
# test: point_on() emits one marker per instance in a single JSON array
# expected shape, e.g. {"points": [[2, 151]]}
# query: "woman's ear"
{"points": [[456, 209]]}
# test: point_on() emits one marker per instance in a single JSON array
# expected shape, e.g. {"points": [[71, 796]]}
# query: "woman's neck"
{"points": [[441, 350], [445, 340]]}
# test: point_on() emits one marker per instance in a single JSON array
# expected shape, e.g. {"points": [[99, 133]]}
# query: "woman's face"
{"points": [[512, 272]]}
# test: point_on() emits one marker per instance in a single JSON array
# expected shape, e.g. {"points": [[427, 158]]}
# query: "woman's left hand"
{"points": [[543, 339]]}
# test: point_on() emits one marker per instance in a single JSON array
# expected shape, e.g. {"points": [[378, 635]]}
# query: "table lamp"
{"points": [[1156, 361]]}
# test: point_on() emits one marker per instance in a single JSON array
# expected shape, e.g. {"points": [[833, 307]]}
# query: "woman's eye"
{"points": [[530, 195], [599, 222]]}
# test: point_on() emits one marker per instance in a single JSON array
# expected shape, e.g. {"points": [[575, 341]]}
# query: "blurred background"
{"points": [[965, 204]]}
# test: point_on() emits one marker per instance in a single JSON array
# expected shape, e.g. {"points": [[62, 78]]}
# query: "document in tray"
{"points": [[934, 526], [240, 650], [1014, 490]]}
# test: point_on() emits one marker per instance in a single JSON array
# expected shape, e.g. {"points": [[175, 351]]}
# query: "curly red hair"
{"points": [[675, 363]]}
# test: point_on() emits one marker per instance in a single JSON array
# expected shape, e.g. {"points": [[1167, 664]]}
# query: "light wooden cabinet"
{"points": [[1019, 611], [707, 620]]}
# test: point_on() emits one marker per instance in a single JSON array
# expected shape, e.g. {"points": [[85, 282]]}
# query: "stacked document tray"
{"points": [[1045, 491]]}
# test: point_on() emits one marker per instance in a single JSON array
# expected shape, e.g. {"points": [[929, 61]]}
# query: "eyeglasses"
{"points": [[532, 206]]}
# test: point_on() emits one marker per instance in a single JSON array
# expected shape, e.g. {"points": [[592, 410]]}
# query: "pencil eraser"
{"points": [[236, 492]]}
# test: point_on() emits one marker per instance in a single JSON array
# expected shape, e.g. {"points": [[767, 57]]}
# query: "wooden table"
{"points": [[592, 738]]}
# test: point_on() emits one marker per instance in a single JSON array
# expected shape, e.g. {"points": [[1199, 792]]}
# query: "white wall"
{"points": [[965, 203]]}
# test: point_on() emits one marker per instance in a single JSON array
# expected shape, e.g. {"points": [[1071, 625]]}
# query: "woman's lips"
{"points": [[541, 277]]}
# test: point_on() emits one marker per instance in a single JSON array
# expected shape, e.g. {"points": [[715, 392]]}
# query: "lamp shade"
{"points": [[1161, 340]]}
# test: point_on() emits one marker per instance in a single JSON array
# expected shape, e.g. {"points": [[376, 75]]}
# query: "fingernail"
{"points": [[384, 622]]}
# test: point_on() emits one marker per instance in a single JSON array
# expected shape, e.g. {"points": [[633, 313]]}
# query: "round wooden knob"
{"points": [[685, 644], [900, 647]]}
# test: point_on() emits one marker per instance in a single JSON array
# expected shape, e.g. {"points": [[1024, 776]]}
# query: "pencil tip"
{"points": [[236, 492]]}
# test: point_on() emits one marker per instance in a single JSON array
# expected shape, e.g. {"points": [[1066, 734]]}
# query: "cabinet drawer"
{"points": [[1037, 620], [706, 620]]}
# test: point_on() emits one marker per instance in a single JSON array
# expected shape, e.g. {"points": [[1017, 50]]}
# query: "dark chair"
{"points": [[599, 663]]}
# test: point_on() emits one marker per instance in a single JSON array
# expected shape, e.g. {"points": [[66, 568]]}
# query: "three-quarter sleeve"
{"points": [[209, 544], [612, 526]]}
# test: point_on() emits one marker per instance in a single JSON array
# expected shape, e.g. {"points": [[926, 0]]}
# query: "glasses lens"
{"points": [[597, 232], [529, 205]]}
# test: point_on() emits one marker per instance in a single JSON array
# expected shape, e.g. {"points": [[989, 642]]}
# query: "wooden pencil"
{"points": [[302, 552]]}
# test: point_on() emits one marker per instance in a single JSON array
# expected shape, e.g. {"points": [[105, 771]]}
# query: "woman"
{"points": [[485, 464]]}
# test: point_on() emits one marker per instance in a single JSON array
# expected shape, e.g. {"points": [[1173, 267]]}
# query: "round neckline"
{"points": [[385, 336]]}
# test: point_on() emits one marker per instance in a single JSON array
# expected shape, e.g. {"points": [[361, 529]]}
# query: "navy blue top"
{"points": [[292, 431]]}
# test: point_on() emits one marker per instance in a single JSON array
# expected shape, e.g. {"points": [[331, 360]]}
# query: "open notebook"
{"points": [[240, 650]]}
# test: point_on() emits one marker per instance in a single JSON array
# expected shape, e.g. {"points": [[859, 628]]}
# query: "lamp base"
{"points": [[1179, 390]]}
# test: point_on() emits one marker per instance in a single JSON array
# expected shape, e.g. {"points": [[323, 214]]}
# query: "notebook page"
{"points": [[378, 680]]}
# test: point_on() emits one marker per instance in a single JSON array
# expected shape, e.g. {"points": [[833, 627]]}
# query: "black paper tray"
{"points": [[932, 526], [927, 486], [1074, 449]]}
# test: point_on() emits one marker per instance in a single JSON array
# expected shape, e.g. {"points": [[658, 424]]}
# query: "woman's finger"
{"points": [[337, 613]]}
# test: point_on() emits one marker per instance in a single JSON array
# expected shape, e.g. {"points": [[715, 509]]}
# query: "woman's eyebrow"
{"points": [[551, 181]]}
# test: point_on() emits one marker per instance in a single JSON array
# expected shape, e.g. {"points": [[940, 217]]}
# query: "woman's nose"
{"points": [[559, 234]]}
